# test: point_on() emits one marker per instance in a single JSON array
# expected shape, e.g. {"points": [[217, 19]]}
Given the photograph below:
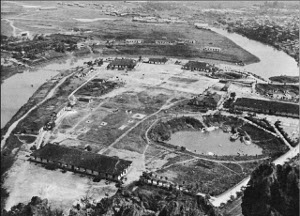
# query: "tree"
{"points": [[232, 94], [207, 196]]}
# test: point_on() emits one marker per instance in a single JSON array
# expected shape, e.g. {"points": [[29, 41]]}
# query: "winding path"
{"points": [[165, 106], [11, 23]]}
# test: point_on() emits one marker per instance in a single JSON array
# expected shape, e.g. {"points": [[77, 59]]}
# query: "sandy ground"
{"points": [[26, 180], [137, 167]]}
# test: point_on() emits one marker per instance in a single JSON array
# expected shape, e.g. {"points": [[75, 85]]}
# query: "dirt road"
{"points": [[49, 95]]}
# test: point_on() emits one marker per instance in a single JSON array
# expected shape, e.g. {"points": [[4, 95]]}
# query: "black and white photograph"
{"points": [[150, 108]]}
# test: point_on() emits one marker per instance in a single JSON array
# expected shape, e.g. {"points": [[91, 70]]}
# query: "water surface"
{"points": [[216, 142], [272, 62], [17, 89]]}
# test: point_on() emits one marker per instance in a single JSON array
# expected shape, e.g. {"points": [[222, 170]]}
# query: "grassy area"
{"points": [[27, 139], [7, 160], [96, 88], [202, 176], [118, 30], [267, 88], [285, 79], [163, 130], [135, 140], [270, 144]]}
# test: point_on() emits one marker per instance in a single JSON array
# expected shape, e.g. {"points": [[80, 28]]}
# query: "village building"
{"points": [[201, 25], [157, 60], [163, 42], [86, 100], [208, 101], [48, 8], [122, 64], [199, 66], [212, 49], [191, 41], [85, 162], [134, 41], [267, 107]]}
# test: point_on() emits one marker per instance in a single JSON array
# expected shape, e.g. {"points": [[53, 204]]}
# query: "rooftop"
{"points": [[212, 99], [122, 62], [83, 159], [264, 104], [195, 64]]}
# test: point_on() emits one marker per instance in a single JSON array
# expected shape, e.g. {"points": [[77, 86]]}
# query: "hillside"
{"points": [[272, 190]]}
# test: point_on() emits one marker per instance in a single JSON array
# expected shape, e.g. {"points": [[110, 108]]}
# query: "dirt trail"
{"points": [[223, 198], [49, 95], [11, 23], [165, 106]]}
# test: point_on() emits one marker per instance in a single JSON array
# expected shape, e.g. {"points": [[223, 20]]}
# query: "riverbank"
{"points": [[285, 79], [272, 62]]}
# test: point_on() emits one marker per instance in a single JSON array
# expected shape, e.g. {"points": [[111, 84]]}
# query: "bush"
{"points": [[33, 148], [51, 166]]}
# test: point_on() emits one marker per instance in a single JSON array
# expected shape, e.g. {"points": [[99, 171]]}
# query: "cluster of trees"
{"points": [[163, 130], [272, 190]]}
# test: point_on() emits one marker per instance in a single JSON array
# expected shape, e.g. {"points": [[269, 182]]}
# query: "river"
{"points": [[272, 62], [16, 90]]}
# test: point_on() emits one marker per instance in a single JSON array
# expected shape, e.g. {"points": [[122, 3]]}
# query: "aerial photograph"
{"points": [[150, 108]]}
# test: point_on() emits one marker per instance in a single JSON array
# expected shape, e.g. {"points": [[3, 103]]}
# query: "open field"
{"points": [[202, 176], [27, 179], [117, 123], [63, 19]]}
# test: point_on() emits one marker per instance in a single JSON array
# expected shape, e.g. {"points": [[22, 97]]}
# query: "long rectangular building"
{"points": [[267, 107], [82, 161]]}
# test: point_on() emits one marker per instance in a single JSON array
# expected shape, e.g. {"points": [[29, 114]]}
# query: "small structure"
{"points": [[48, 8], [208, 101], [80, 161], [267, 107], [138, 116], [86, 100], [199, 66], [191, 41], [122, 64], [212, 49], [157, 60], [134, 41], [164, 42], [201, 26], [226, 86], [103, 123]]}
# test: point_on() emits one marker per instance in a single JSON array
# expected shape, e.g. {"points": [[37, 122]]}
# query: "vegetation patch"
{"points": [[203, 176], [162, 130], [285, 79], [264, 123], [182, 79], [27, 139], [271, 145], [96, 88]]}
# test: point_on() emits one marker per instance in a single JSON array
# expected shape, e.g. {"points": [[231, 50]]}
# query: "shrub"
{"points": [[51, 166]]}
